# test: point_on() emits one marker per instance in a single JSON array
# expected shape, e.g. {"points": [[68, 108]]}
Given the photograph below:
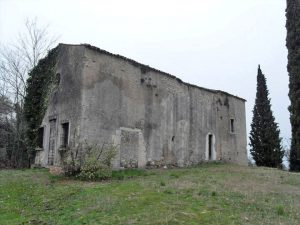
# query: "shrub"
{"points": [[89, 162], [162, 183], [279, 210]]}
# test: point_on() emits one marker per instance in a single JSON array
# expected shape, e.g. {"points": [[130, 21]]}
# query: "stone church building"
{"points": [[151, 116]]}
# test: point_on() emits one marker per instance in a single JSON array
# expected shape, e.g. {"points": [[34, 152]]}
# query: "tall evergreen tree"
{"points": [[265, 142], [293, 45]]}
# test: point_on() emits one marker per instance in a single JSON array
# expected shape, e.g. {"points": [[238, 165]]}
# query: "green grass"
{"points": [[208, 194], [129, 173]]}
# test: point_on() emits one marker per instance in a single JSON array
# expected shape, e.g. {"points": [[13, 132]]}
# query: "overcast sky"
{"points": [[216, 44]]}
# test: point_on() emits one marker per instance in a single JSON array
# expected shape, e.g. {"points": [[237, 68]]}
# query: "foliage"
{"points": [[5, 126], [162, 183], [264, 135], [280, 210], [12, 131], [89, 161], [243, 196], [293, 45], [71, 160], [11, 135], [40, 84]]}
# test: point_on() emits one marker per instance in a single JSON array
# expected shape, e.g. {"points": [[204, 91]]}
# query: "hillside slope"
{"points": [[208, 194]]}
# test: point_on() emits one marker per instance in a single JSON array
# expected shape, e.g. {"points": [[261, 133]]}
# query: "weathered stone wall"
{"points": [[153, 117], [65, 103]]}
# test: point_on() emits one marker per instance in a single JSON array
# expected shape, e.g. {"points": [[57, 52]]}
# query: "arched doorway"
{"points": [[210, 151]]}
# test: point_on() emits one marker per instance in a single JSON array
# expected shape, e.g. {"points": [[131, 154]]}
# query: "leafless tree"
{"points": [[16, 61], [22, 55], [13, 74], [34, 43]]}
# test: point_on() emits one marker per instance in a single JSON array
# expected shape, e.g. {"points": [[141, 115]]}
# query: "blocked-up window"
{"points": [[40, 138], [64, 135]]}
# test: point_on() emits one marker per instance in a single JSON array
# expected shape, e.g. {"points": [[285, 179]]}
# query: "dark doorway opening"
{"points": [[210, 146]]}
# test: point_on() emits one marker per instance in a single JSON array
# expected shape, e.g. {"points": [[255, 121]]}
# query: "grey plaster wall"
{"points": [[153, 117], [65, 103]]}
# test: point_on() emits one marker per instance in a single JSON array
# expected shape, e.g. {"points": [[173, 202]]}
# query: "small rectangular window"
{"points": [[40, 138], [232, 125], [64, 135]]}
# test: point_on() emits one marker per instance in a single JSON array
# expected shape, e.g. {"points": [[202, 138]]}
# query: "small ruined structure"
{"points": [[151, 116]]}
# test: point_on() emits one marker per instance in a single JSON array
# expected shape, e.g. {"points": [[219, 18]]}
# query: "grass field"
{"points": [[208, 194]]}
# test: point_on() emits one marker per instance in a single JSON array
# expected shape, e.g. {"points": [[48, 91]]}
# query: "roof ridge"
{"points": [[147, 68]]}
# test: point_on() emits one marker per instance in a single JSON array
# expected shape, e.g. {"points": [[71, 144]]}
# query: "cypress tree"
{"points": [[293, 46], [265, 142]]}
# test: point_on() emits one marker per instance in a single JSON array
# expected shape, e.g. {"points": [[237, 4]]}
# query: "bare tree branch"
{"points": [[18, 59], [35, 42]]}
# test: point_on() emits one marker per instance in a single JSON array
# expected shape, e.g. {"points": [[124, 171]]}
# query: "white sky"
{"points": [[216, 44]]}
